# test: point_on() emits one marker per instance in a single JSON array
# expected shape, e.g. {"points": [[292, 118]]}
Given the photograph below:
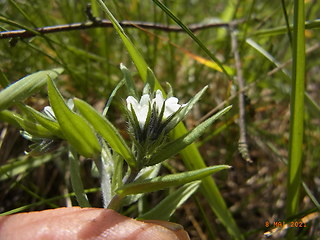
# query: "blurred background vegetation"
{"points": [[254, 192]]}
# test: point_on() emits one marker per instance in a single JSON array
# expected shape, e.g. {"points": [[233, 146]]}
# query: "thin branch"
{"points": [[22, 33], [242, 144]]}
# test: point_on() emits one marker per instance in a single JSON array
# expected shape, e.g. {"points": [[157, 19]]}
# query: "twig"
{"points": [[242, 144], [22, 33]]}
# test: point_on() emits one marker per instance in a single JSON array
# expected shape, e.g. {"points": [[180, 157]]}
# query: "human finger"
{"points": [[85, 223]]}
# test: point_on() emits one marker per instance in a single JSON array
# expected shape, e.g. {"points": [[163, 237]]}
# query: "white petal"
{"points": [[145, 99], [142, 116], [49, 112], [70, 104], [158, 100], [171, 106], [170, 109], [140, 108], [131, 101], [172, 100]]}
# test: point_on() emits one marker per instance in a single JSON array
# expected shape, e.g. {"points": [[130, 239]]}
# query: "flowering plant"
{"points": [[151, 118]]}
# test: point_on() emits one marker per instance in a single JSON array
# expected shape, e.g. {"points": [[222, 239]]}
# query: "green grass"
{"points": [[237, 201], [295, 163]]}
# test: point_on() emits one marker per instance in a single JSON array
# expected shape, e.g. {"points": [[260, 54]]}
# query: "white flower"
{"points": [[141, 108]]}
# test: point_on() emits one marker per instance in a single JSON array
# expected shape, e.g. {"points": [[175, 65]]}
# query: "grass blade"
{"points": [[190, 33], [133, 51], [297, 111], [21, 165]]}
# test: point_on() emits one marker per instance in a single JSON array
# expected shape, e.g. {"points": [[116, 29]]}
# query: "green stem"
{"points": [[297, 112]]}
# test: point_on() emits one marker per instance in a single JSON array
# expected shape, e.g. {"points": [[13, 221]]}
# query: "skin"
{"points": [[84, 224]]}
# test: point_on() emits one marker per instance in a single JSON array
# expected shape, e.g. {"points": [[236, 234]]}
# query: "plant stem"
{"points": [[297, 113]]}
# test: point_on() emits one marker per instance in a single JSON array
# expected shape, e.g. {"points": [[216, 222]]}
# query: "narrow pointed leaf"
{"points": [[164, 209], [26, 86], [76, 180], [297, 114], [106, 130], [186, 109], [35, 129], [159, 183], [45, 121], [177, 145], [133, 51], [75, 129], [149, 86], [129, 82], [113, 93], [145, 173]]}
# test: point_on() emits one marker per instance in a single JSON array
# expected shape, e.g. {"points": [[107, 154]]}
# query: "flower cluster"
{"points": [[142, 108], [150, 121]]}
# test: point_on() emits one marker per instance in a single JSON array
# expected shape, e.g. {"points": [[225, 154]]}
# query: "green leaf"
{"points": [[8, 116], [117, 175], [145, 173], [193, 160], [313, 24], [164, 209], [129, 82], [42, 119], [26, 86], [178, 144], [135, 54], [149, 86], [113, 93], [75, 129], [296, 145], [159, 183], [106, 130], [33, 128], [186, 109], [76, 181]]}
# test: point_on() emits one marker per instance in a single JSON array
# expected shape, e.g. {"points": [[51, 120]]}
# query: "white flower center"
{"points": [[141, 108]]}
